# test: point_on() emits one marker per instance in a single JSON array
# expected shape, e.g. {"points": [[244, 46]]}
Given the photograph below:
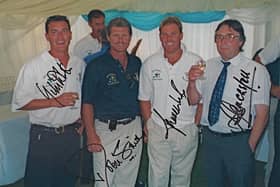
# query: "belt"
{"points": [[231, 134], [123, 121], [113, 123], [56, 130]]}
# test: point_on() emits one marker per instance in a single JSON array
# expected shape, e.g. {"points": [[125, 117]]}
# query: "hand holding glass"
{"points": [[201, 64]]}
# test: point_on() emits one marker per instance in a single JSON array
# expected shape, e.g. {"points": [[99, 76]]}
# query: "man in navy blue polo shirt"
{"points": [[111, 110]]}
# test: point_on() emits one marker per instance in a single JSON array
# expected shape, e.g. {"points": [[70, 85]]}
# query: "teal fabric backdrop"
{"points": [[147, 21]]}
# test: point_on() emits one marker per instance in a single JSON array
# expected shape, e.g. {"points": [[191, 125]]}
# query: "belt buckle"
{"points": [[113, 124], [59, 130]]}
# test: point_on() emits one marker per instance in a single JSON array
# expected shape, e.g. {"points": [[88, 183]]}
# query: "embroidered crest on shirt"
{"points": [[112, 79], [132, 79], [156, 74]]}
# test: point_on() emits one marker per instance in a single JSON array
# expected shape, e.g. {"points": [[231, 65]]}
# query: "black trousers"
{"points": [[227, 159], [53, 158], [86, 163]]}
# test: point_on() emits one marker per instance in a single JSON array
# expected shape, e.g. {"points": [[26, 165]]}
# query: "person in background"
{"points": [[89, 47], [235, 97], [111, 110], [270, 52], [105, 47], [270, 56], [49, 88], [169, 121], [94, 42], [272, 70]]}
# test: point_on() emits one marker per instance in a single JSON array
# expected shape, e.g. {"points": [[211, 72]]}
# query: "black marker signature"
{"points": [[98, 177], [176, 109], [56, 80], [236, 111], [126, 153]]}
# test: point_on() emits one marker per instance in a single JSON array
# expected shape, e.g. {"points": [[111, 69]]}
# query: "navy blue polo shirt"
{"points": [[111, 90]]}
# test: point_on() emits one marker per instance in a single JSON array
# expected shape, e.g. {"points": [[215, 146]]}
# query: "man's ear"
{"points": [[47, 37]]}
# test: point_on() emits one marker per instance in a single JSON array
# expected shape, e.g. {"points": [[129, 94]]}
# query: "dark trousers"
{"points": [[274, 180], [87, 163], [53, 159], [227, 160]]}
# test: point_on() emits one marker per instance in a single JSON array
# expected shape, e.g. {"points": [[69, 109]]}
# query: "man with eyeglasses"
{"points": [[235, 97]]}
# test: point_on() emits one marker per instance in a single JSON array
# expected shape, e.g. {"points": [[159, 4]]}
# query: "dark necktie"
{"points": [[215, 103]]}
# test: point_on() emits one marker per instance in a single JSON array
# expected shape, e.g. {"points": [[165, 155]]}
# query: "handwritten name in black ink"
{"points": [[236, 111], [176, 109], [122, 154], [99, 178], [55, 82]]}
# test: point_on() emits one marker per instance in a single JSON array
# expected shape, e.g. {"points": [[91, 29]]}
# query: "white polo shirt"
{"points": [[164, 85], [247, 84], [45, 77], [271, 52], [86, 46]]}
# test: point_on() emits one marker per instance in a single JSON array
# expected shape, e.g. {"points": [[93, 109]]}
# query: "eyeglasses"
{"points": [[229, 37]]}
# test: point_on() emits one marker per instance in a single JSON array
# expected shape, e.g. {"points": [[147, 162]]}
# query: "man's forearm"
{"points": [[88, 120], [145, 107], [193, 94], [275, 91], [36, 104], [260, 122]]}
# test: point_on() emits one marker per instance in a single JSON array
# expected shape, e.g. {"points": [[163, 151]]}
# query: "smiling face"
{"points": [[228, 42], [119, 38], [170, 37], [59, 36]]}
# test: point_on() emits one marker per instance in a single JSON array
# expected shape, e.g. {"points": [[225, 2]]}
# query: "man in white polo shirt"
{"points": [[91, 43], [49, 88], [170, 130]]}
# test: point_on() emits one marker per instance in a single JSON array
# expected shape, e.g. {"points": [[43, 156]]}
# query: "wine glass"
{"points": [[202, 65]]}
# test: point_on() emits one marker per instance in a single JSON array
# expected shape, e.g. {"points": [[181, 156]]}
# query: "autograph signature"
{"points": [[122, 154], [176, 109], [126, 153], [236, 111], [56, 80]]}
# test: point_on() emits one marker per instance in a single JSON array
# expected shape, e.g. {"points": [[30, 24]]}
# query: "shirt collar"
{"points": [[235, 60], [49, 58], [183, 47]]}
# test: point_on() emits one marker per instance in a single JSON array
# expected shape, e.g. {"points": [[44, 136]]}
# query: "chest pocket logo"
{"points": [[112, 79], [156, 74], [132, 79]]}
